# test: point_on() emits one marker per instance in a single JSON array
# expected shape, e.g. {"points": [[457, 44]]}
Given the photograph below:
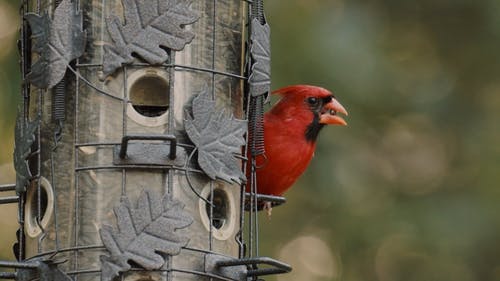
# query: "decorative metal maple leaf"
{"points": [[142, 231], [58, 41], [147, 27], [260, 50], [217, 136], [24, 138]]}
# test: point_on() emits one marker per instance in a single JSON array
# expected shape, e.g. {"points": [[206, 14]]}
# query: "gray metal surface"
{"points": [[147, 27], [24, 138], [218, 136], [57, 41], [143, 231], [260, 50], [148, 154], [233, 272]]}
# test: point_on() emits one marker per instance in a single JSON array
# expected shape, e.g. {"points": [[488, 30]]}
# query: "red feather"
{"points": [[288, 150]]}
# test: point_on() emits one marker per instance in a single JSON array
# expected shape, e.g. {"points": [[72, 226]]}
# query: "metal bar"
{"points": [[265, 197], [17, 264], [83, 144], [125, 102], [7, 187], [82, 271], [249, 261], [8, 275], [266, 271], [202, 251], [79, 169], [170, 130], [171, 138], [9, 199], [256, 206], [76, 209], [186, 271], [39, 168], [261, 198], [22, 235], [211, 215], [96, 144], [62, 250], [214, 26], [213, 71], [173, 65], [200, 273], [90, 84], [279, 267]]}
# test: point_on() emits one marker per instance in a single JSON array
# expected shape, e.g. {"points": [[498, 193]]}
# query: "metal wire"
{"points": [[7, 187], [8, 199], [76, 175]]}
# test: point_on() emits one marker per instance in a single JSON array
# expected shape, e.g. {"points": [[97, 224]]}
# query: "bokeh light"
{"points": [[311, 258], [9, 28]]}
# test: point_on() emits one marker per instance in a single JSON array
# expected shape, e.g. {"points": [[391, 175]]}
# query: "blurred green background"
{"points": [[10, 85], [410, 189]]}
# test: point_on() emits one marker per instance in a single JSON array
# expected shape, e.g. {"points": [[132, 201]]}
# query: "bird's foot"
{"points": [[268, 207]]}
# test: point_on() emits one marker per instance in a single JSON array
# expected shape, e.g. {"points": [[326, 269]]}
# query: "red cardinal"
{"points": [[291, 128]]}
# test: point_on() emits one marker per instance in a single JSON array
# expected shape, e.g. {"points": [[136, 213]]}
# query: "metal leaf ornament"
{"points": [[142, 232], [217, 136], [24, 136], [58, 41], [148, 25], [260, 78]]}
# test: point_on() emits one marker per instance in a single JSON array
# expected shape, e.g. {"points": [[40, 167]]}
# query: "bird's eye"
{"points": [[312, 101]]}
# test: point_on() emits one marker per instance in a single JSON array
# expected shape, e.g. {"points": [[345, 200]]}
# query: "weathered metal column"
{"points": [[131, 142]]}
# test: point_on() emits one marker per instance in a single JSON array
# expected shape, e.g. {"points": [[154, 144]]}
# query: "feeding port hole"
{"points": [[220, 216], [220, 208], [39, 207], [149, 95], [148, 92]]}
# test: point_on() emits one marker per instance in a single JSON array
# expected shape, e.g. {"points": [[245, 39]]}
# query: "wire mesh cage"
{"points": [[134, 156]]}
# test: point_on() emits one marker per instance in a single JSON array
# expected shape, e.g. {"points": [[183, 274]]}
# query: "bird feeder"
{"points": [[132, 140]]}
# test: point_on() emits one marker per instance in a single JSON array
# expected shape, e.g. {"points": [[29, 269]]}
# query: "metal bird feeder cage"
{"points": [[132, 141]]}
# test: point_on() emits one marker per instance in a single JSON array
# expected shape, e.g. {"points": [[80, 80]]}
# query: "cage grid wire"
{"points": [[77, 176]]}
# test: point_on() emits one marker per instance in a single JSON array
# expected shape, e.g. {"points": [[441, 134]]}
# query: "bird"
{"points": [[291, 129]]}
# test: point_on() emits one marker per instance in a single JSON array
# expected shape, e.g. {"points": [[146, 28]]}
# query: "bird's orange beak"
{"points": [[329, 113]]}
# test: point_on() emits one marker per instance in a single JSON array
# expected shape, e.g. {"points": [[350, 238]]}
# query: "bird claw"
{"points": [[268, 207]]}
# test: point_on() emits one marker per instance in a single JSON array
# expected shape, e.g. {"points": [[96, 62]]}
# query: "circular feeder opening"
{"points": [[149, 95], [39, 207], [220, 208], [220, 218], [35, 201]]}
